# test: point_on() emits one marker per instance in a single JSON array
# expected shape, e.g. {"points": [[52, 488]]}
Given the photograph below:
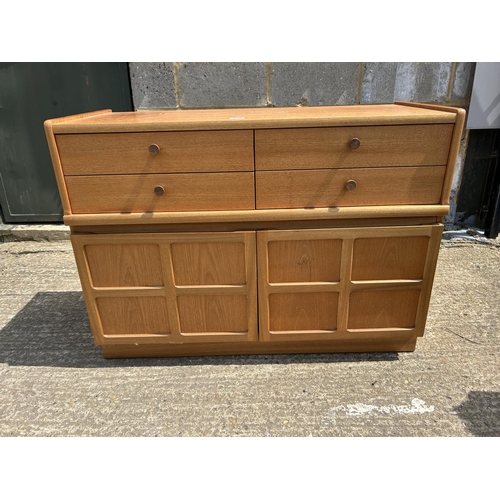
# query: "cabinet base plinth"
{"points": [[395, 344]]}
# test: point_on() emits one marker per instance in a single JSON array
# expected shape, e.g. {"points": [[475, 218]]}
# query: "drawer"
{"points": [[129, 153], [327, 188], [379, 146], [181, 192]]}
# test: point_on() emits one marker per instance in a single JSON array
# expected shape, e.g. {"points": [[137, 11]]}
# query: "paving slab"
{"points": [[55, 382]]}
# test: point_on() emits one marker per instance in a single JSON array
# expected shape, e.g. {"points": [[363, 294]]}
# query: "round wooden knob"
{"points": [[355, 143], [154, 149], [350, 185], [159, 190]]}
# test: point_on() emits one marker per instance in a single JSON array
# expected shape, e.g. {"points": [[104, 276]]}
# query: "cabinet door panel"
{"points": [[133, 315], [169, 288], [326, 284], [299, 273], [304, 261], [303, 311], [389, 258], [124, 265], [213, 314], [217, 263], [383, 309]]}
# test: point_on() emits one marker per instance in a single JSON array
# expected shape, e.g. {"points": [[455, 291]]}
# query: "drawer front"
{"points": [[129, 153], [328, 188], [181, 192], [379, 146]]}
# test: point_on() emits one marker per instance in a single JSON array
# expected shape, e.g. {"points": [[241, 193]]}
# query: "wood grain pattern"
{"points": [[345, 280], [80, 117], [250, 239], [56, 163], [217, 263], [389, 258], [455, 140], [134, 291], [213, 314], [313, 286], [429, 272], [249, 118], [133, 315], [383, 309], [424, 105], [183, 192], [327, 188], [345, 233], [304, 261], [296, 303], [376, 342], [122, 265], [170, 292], [316, 148], [244, 216], [303, 311], [228, 312], [263, 283], [386, 285], [78, 243], [209, 151], [252, 225], [378, 303], [211, 290]]}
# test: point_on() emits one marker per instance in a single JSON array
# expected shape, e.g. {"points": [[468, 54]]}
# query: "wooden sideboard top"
{"points": [[250, 118]]}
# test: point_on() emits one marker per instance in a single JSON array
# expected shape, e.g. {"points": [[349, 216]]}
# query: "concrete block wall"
{"points": [[224, 84], [178, 85]]}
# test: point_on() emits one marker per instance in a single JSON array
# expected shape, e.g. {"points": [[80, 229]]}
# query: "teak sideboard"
{"points": [[259, 230]]}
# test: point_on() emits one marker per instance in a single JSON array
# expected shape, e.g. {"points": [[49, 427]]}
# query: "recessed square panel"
{"points": [[389, 258], [214, 263], [383, 309], [124, 265], [133, 315], [303, 311], [304, 261], [213, 313]]}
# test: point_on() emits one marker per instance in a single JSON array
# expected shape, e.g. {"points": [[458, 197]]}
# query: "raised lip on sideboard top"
{"points": [[105, 121]]}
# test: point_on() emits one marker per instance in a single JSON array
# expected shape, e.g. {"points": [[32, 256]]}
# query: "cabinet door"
{"points": [[169, 288], [326, 284]]}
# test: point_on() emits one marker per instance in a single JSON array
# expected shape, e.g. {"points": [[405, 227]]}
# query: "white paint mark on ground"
{"points": [[417, 406]]}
